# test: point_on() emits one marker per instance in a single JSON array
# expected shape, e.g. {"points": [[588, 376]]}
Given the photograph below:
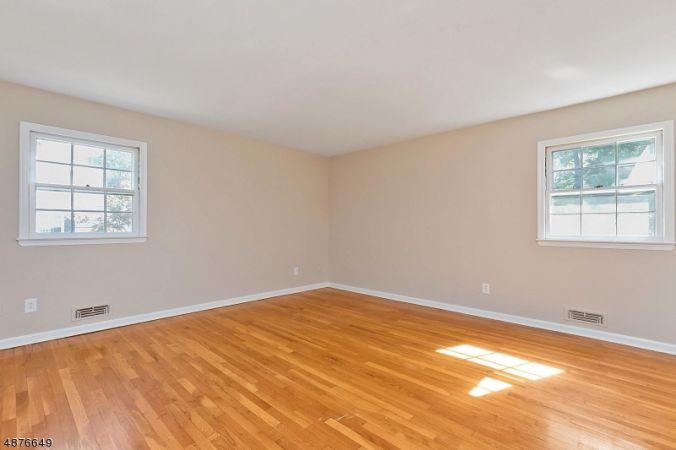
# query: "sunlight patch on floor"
{"points": [[502, 362], [487, 386]]}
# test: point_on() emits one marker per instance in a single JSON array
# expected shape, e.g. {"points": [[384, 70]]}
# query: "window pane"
{"points": [[598, 224], [599, 155], [53, 151], [52, 199], [565, 204], [636, 151], [636, 224], [120, 159], [88, 222], [566, 179], [119, 180], [87, 176], [636, 202], [566, 159], [52, 222], [598, 203], [52, 173], [120, 202], [599, 177], [636, 174], [88, 201], [120, 222], [88, 155], [564, 224]]}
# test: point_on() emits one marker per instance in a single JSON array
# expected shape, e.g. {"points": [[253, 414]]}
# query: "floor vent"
{"points": [[590, 318], [91, 311]]}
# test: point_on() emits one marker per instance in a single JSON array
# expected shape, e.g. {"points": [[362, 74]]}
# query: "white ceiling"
{"points": [[332, 76]]}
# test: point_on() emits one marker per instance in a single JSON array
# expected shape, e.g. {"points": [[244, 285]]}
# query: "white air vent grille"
{"points": [[91, 311], [590, 318]]}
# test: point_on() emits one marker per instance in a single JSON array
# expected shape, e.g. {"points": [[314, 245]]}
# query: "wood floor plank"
{"points": [[329, 369]]}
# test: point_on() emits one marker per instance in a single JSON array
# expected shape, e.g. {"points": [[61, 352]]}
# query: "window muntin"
{"points": [[607, 188], [80, 187]]}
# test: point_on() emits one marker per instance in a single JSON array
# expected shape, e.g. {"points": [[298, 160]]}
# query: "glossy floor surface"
{"points": [[329, 369]]}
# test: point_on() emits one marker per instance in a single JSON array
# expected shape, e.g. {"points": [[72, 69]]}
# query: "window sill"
{"points": [[80, 241], [666, 246]]}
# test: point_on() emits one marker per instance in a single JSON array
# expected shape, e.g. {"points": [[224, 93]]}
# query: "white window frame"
{"points": [[664, 233], [27, 234]]}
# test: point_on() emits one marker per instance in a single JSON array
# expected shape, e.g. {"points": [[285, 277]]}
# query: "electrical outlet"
{"points": [[296, 270], [30, 305], [485, 288]]}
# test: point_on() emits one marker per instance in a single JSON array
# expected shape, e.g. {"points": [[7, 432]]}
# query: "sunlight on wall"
{"points": [[502, 362]]}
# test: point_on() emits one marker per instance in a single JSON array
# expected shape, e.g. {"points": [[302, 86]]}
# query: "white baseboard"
{"points": [[147, 317], [647, 344]]}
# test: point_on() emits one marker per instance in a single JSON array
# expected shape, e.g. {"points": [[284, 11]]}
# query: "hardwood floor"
{"points": [[329, 369]]}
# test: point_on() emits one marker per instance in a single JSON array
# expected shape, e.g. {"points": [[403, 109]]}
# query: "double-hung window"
{"points": [[80, 188], [608, 189]]}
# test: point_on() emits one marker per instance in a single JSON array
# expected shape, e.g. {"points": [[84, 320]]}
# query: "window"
{"points": [[80, 188], [608, 189]]}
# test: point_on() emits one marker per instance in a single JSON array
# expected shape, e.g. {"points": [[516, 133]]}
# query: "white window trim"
{"points": [[27, 238], [665, 242]]}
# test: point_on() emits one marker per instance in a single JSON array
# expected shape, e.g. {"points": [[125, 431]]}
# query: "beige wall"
{"points": [[227, 216], [436, 217], [430, 218]]}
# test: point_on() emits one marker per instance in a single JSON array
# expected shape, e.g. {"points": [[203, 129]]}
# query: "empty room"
{"points": [[324, 224]]}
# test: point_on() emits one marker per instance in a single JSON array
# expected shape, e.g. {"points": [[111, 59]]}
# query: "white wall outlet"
{"points": [[296, 270], [30, 305], [485, 288]]}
